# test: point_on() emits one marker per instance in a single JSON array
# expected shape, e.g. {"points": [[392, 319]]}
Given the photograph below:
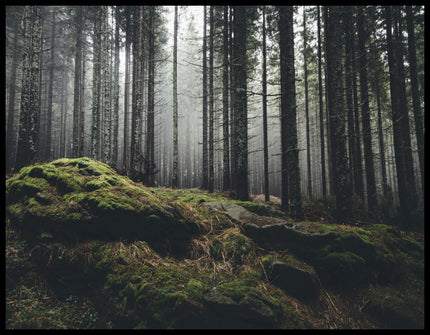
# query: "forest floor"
{"points": [[87, 248]]}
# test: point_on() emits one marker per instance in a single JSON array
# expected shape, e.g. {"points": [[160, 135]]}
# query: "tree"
{"points": [[135, 155], [211, 101], [205, 182], [30, 98], [225, 88], [305, 69], [240, 102], [106, 81], [14, 16], [149, 162], [341, 172], [289, 155], [401, 132], [321, 106], [175, 101], [77, 81], [349, 74], [365, 110], [125, 162], [96, 108], [416, 103], [115, 146], [48, 150], [264, 83]]}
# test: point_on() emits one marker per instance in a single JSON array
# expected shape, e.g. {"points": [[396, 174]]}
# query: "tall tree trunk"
{"points": [[265, 145], [341, 171], [225, 88], [372, 200], [106, 143], [82, 96], [150, 163], [48, 149], [240, 102], [416, 104], [95, 133], [401, 135], [321, 106], [115, 146], [290, 155], [125, 157], [175, 101], [308, 141], [205, 182], [211, 100], [77, 81], [135, 155], [329, 153], [349, 41], [10, 131], [232, 92], [30, 99]]}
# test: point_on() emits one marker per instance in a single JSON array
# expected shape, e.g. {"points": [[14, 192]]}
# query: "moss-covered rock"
{"points": [[84, 199]]}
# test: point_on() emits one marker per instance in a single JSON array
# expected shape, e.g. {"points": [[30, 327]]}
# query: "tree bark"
{"points": [[265, 145], [290, 156], [321, 106], [240, 102], [225, 124], [372, 200], [341, 172], [30, 99], [416, 103]]}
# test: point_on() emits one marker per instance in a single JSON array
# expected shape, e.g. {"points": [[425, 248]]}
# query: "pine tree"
{"points": [[365, 110], [205, 182], [14, 15], [341, 171], [289, 154], [150, 163], [77, 81], [175, 101], [211, 101], [115, 146], [416, 103], [96, 108], [240, 102], [305, 69], [264, 83], [225, 88], [321, 106], [126, 161], [30, 98], [401, 132]]}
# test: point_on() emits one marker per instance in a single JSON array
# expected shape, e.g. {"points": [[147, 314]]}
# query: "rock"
{"points": [[251, 311], [42, 198], [233, 211], [294, 281]]}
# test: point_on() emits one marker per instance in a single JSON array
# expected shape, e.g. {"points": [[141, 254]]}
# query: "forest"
{"points": [[214, 166]]}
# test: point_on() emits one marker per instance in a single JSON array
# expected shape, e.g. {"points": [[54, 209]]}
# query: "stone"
{"points": [[294, 281], [252, 311]]}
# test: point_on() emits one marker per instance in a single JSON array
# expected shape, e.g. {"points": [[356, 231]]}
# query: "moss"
{"points": [[236, 289], [196, 288], [341, 268]]}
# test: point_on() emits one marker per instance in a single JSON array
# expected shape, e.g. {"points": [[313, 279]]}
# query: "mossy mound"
{"points": [[80, 235], [86, 199]]}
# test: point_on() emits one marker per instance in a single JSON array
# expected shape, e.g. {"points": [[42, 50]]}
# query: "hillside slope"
{"points": [[88, 248]]}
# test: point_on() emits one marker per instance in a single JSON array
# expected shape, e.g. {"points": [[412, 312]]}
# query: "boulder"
{"points": [[251, 311], [297, 282]]}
